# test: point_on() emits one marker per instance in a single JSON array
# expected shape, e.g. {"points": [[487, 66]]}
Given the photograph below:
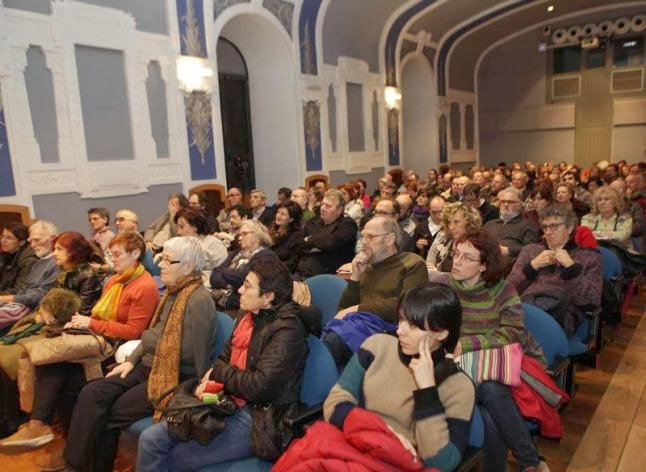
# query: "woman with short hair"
{"points": [[129, 299], [261, 367], [177, 346], [16, 258], [609, 219], [564, 194], [226, 279]]}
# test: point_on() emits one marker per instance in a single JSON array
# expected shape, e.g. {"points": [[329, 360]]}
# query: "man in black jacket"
{"points": [[259, 209], [329, 238]]}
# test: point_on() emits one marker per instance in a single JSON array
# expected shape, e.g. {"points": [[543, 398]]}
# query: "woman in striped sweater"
{"points": [[492, 316]]}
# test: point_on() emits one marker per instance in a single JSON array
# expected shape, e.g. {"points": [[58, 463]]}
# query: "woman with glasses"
{"points": [[122, 313], [458, 219], [609, 219], [227, 278], [492, 317], [557, 275], [177, 346]]}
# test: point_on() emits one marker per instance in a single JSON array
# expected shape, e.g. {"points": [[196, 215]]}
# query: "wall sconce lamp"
{"points": [[194, 74], [393, 97]]}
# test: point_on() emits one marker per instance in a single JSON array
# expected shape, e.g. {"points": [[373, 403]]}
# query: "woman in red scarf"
{"points": [[261, 367]]}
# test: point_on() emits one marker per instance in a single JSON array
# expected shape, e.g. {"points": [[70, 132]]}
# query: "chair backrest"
{"points": [[547, 332], [611, 263], [14, 214], [223, 329], [397, 175], [326, 290], [320, 373], [215, 197], [311, 180], [476, 434]]}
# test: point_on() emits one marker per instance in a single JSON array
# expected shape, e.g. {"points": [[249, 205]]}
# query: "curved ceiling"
{"points": [[353, 28], [472, 44]]}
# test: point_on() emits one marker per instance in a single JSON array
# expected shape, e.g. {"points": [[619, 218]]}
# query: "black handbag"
{"points": [[189, 418], [270, 436]]}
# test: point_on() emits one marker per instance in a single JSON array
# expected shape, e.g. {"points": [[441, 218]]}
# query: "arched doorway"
{"points": [[419, 115], [264, 51]]}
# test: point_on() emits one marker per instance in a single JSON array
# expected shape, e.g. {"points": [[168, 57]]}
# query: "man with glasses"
{"points": [[556, 275], [512, 229], [380, 274], [426, 231], [234, 197], [329, 238]]}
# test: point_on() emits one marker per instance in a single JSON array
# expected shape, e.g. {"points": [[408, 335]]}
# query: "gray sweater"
{"points": [[41, 278], [198, 335]]}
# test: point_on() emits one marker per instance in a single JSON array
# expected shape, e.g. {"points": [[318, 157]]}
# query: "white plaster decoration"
{"points": [[69, 24]]}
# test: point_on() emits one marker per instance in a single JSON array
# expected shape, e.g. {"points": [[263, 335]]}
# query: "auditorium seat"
{"points": [[326, 290]]}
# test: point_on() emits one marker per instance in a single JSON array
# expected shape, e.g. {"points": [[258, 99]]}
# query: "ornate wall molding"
{"points": [[282, 10]]}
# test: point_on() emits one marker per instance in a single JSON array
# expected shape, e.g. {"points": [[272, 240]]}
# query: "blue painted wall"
{"points": [[307, 36]]}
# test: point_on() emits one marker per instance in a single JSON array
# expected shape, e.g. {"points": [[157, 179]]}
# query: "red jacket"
{"points": [[365, 444], [532, 404]]}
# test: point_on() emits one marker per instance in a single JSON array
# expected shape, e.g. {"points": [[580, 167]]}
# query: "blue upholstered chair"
{"points": [[326, 290], [223, 329], [318, 379]]}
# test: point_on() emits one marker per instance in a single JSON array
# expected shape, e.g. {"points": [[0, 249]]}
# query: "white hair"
{"points": [[513, 190], [45, 226], [188, 250]]}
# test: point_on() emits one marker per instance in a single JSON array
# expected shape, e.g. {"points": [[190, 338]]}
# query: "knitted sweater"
{"points": [[491, 316], [436, 420], [380, 286], [136, 306]]}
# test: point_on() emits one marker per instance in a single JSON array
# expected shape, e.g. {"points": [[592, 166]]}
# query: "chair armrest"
{"points": [[302, 417]]}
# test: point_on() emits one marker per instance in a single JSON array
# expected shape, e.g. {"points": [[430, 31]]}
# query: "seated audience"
{"points": [[458, 219], [261, 367], [259, 209], [428, 415], [44, 271], [191, 222], [564, 194], [164, 228], [227, 278], [237, 215], [72, 254], [128, 221], [99, 219], [380, 274], [283, 195], [492, 317], [197, 201], [471, 196], [512, 229], [234, 197], [363, 193], [498, 183], [541, 197], [299, 196], [353, 208], [571, 177], [122, 313], [520, 181], [557, 276], [16, 258], [405, 209], [177, 346], [286, 233], [390, 209], [426, 230], [608, 219], [420, 210], [329, 238]]}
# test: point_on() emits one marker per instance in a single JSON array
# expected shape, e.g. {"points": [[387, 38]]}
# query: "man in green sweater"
{"points": [[380, 274]]}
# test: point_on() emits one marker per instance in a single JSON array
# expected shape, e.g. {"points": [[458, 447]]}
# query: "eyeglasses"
{"points": [[552, 227], [509, 202], [466, 257], [168, 261], [383, 213], [370, 237]]}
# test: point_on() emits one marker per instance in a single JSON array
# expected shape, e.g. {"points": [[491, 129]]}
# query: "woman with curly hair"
{"points": [[458, 219], [609, 219]]}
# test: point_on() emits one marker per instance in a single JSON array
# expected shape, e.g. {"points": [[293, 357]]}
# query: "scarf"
{"points": [[106, 308], [240, 346], [164, 375]]}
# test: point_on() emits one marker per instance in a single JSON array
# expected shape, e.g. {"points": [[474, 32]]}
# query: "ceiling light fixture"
{"points": [[550, 8]]}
